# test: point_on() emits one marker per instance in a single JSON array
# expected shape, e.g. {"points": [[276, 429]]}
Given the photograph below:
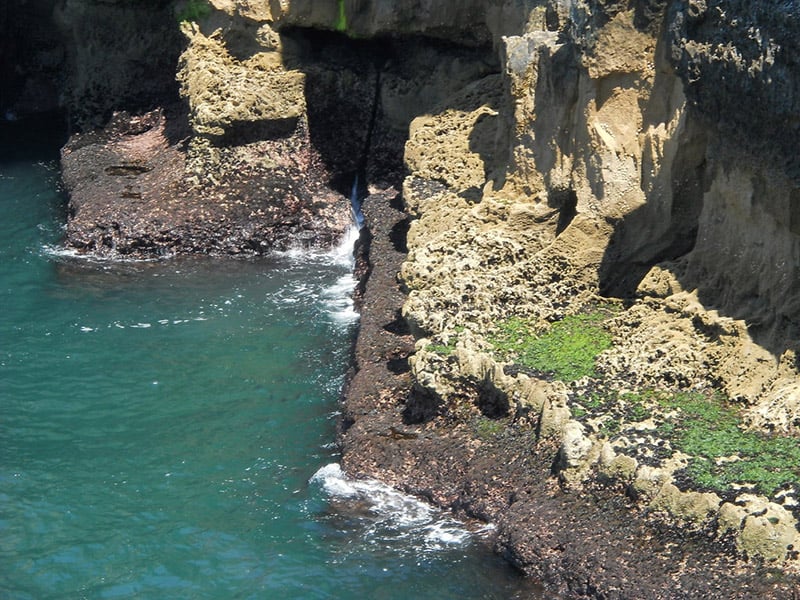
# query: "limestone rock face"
{"points": [[729, 51], [553, 155], [625, 180], [132, 194], [603, 165], [31, 60], [229, 97], [282, 111]]}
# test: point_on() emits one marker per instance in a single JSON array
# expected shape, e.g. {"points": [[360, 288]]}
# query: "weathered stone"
{"points": [[730, 518], [693, 509], [761, 528], [577, 454], [229, 97], [621, 468], [645, 150], [555, 415], [648, 482], [119, 56], [469, 22]]}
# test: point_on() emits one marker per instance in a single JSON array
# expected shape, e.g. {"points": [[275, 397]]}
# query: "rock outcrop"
{"points": [[611, 171], [628, 167], [282, 119]]}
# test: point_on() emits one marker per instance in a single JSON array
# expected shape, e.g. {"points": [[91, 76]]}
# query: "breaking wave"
{"points": [[388, 516]]}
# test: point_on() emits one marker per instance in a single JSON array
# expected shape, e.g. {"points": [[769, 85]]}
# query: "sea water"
{"points": [[167, 429]]}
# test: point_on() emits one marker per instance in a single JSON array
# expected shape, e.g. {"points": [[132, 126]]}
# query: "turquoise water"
{"points": [[161, 424]]}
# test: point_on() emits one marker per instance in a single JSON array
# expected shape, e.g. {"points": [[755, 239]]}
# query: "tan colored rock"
{"points": [[762, 529], [224, 93], [532, 393], [456, 159], [469, 22], [659, 283], [556, 416], [620, 467], [575, 445], [647, 482], [689, 508], [577, 454], [620, 48], [730, 518], [780, 408], [256, 10]]}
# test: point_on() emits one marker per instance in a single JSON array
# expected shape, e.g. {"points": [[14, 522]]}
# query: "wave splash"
{"points": [[342, 253], [389, 515]]}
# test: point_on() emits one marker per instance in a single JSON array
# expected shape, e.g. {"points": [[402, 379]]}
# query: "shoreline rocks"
{"points": [[132, 196], [594, 543], [590, 182], [565, 160]]}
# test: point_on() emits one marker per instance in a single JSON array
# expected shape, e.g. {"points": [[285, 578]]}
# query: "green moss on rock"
{"points": [[568, 350], [724, 452], [341, 20], [194, 10]]}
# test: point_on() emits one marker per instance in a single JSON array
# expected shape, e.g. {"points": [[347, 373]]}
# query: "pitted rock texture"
{"points": [[737, 59], [131, 195], [615, 185], [560, 154], [282, 119], [596, 545]]}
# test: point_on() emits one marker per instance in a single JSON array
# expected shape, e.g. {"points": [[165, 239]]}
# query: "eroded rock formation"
{"points": [[624, 179], [557, 158]]}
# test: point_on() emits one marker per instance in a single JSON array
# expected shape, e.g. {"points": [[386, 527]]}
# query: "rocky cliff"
{"points": [[622, 156], [602, 235]]}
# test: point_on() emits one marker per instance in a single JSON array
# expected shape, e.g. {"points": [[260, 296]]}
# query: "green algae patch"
{"points": [[487, 429], [442, 349], [194, 10], [448, 346], [568, 350], [704, 426], [724, 456], [723, 453], [341, 19]]}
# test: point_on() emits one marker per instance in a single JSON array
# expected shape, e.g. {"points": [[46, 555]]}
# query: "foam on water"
{"points": [[339, 254], [338, 299], [58, 252], [343, 252], [392, 515]]}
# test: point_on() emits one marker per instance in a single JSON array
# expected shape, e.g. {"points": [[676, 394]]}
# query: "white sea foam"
{"points": [[343, 253], [338, 299], [392, 514], [64, 253]]}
